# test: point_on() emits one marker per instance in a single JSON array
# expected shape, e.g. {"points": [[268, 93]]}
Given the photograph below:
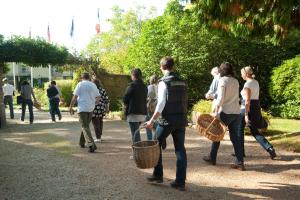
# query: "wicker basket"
{"points": [[211, 127], [146, 153], [37, 105]]}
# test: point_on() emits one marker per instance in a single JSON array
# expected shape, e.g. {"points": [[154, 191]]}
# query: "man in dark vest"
{"points": [[171, 112]]}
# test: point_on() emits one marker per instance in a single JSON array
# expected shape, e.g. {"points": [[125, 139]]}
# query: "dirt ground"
{"points": [[44, 161]]}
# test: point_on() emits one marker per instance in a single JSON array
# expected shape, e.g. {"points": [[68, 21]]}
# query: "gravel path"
{"points": [[44, 161]]}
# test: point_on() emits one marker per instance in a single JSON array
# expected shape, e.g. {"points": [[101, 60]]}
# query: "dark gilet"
{"points": [[175, 110]]}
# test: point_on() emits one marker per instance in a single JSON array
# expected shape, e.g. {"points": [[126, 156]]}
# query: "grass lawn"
{"points": [[285, 133]]}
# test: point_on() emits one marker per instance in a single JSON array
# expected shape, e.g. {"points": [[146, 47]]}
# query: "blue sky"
{"points": [[17, 16]]}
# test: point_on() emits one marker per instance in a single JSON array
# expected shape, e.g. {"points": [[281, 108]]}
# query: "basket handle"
{"points": [[140, 128], [210, 124]]}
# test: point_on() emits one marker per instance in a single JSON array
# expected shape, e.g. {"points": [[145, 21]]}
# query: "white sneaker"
{"points": [[131, 157], [97, 140]]}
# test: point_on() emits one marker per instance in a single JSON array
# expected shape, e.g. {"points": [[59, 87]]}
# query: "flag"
{"points": [[98, 23], [48, 34], [72, 29], [29, 32]]}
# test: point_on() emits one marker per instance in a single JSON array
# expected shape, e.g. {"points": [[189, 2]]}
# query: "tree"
{"points": [[197, 49], [111, 47], [273, 19]]}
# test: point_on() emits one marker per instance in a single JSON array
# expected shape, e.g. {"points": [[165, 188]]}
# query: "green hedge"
{"points": [[285, 89]]}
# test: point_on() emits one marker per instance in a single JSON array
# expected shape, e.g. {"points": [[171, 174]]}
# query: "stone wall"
{"points": [[115, 86]]}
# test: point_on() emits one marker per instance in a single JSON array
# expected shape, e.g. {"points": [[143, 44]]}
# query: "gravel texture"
{"points": [[44, 161]]}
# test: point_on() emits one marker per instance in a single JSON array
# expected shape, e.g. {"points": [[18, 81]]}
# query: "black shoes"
{"points": [[92, 148], [59, 117], [155, 179], [238, 166], [81, 145], [177, 186], [209, 160], [272, 153]]}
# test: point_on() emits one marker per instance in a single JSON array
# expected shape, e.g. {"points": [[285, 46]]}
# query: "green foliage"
{"points": [[111, 47], [272, 19], [196, 50], [33, 52], [65, 87], [285, 89], [203, 106], [41, 96]]}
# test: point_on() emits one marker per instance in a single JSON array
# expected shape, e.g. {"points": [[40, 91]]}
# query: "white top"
{"points": [[136, 118], [254, 88], [228, 95], [152, 91], [8, 89], [161, 97], [87, 93]]}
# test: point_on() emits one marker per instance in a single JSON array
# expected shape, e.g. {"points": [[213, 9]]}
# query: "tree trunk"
{"points": [[2, 107]]}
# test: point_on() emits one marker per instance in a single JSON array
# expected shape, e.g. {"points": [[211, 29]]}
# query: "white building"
{"points": [[37, 75]]}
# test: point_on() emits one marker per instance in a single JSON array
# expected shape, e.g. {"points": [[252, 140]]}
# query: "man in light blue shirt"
{"points": [[86, 94]]}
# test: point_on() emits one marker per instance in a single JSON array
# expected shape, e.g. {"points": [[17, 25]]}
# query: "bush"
{"points": [[285, 89], [41, 96], [203, 106]]}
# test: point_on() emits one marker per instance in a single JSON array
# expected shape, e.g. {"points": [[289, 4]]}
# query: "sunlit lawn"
{"points": [[285, 133]]}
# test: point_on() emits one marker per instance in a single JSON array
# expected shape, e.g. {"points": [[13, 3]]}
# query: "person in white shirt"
{"points": [[251, 112], [87, 95], [228, 108], [8, 92], [212, 92]]}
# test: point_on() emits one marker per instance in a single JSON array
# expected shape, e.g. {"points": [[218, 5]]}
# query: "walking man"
{"points": [[53, 95], [8, 92], [171, 113], [87, 95]]}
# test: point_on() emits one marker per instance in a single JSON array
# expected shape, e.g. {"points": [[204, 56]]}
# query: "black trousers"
{"points": [[8, 99]]}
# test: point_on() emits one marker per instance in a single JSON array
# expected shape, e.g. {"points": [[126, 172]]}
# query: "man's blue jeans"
{"points": [[149, 131], [254, 131], [178, 135], [134, 126], [54, 108], [30, 108], [233, 122]]}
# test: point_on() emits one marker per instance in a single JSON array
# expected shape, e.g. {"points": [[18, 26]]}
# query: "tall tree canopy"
{"points": [[33, 52], [271, 18]]}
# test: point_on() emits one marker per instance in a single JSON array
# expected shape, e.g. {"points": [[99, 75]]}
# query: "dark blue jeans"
{"points": [[178, 135], [9, 100], [134, 126], [54, 108], [149, 131], [254, 131], [233, 122], [30, 104]]}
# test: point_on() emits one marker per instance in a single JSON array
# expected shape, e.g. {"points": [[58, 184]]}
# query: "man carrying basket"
{"points": [[171, 112]]}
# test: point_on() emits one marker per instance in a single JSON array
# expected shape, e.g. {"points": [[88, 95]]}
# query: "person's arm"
{"points": [[32, 93], [73, 101], [161, 102], [247, 93], [220, 97], [128, 94]]}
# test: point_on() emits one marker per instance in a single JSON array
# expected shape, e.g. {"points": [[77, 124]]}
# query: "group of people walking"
{"points": [[163, 106], [224, 91]]}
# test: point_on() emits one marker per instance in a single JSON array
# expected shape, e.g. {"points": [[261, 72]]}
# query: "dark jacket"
{"points": [[175, 110], [52, 92], [135, 98]]}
